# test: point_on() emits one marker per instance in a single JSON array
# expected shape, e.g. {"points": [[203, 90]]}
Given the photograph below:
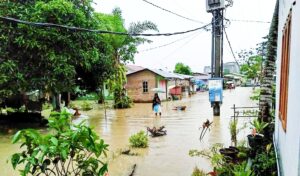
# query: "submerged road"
{"points": [[167, 155]]}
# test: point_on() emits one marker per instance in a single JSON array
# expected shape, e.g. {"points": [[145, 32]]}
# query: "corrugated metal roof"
{"points": [[165, 74], [133, 68], [184, 76]]}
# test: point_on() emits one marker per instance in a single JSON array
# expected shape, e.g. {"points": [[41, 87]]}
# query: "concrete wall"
{"points": [[134, 86], [288, 143]]}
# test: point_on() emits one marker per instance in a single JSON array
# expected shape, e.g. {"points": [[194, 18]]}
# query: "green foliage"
{"points": [[117, 83], [264, 162], [66, 58], [89, 96], [256, 94], [124, 102], [258, 125], [217, 160], [198, 172], [86, 106], [234, 130], [68, 150], [242, 170], [183, 69], [46, 106], [139, 140], [251, 62], [221, 166]]}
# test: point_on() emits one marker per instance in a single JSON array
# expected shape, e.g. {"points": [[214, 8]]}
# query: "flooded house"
{"points": [[142, 83], [287, 133]]}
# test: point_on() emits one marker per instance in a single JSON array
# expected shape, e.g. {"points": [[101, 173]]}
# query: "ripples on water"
{"points": [[167, 155]]}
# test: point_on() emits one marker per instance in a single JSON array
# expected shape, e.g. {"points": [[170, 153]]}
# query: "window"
{"points": [[145, 86], [284, 73]]}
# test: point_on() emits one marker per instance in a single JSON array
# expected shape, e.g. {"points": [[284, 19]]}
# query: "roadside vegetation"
{"points": [[67, 149]]}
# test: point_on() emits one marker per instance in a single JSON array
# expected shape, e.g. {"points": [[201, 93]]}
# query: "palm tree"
{"points": [[266, 98], [124, 49]]}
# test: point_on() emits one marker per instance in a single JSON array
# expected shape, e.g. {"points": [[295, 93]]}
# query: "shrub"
{"points": [[198, 172], [68, 150], [258, 126], [242, 170], [139, 140], [123, 102], [86, 106], [264, 162]]}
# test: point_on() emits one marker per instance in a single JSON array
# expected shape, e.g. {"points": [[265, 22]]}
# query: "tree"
{"points": [[251, 67], [267, 85], [182, 69], [123, 49], [55, 59]]}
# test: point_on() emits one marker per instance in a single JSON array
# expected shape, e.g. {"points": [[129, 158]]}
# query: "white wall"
{"points": [[288, 143]]}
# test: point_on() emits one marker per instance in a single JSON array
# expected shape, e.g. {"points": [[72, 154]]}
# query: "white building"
{"points": [[231, 67], [287, 122]]}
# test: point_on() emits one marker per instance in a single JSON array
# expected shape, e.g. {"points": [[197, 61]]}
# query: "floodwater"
{"points": [[167, 155]]}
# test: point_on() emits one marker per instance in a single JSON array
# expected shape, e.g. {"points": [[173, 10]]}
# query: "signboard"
{"points": [[215, 84], [215, 90]]}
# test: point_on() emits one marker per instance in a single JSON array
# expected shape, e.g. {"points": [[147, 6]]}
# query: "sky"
{"points": [[192, 49]]}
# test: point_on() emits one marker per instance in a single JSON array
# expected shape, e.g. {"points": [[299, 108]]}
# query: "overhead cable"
{"points": [[167, 44], [181, 46], [173, 12], [79, 29], [249, 21], [230, 47]]}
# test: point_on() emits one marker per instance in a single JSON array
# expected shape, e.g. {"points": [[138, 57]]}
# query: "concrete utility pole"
{"points": [[216, 7], [217, 49]]}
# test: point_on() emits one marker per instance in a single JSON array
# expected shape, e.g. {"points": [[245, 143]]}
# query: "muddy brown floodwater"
{"points": [[167, 155]]}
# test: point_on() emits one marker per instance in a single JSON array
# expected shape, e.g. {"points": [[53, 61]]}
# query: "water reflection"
{"points": [[167, 155]]}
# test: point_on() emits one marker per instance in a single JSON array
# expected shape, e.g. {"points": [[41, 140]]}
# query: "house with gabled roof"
{"points": [[142, 81]]}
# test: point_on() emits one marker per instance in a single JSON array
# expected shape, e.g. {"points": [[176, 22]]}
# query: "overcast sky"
{"points": [[193, 49]]}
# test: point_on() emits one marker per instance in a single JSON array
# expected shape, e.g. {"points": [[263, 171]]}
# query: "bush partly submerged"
{"points": [[139, 140]]}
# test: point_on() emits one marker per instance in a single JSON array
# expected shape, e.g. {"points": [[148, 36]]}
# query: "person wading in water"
{"points": [[156, 105]]}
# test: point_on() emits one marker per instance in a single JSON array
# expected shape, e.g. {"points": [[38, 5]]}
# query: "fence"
{"points": [[245, 111]]}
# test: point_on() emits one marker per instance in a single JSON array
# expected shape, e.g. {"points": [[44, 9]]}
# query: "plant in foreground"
{"points": [[139, 140], [264, 162], [68, 150], [198, 172], [242, 170], [258, 126]]}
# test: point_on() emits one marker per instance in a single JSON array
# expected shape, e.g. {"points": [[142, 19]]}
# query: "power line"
{"points": [[181, 46], [167, 44], [73, 28], [231, 47], [249, 21], [173, 12]]}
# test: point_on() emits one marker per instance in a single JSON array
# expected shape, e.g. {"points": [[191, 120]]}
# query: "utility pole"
{"points": [[217, 49], [216, 7]]}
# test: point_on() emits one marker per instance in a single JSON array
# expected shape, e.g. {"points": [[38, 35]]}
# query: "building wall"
{"points": [[288, 143], [134, 86], [232, 67]]}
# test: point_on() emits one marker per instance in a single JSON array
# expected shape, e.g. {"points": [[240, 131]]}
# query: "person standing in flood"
{"points": [[156, 104]]}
